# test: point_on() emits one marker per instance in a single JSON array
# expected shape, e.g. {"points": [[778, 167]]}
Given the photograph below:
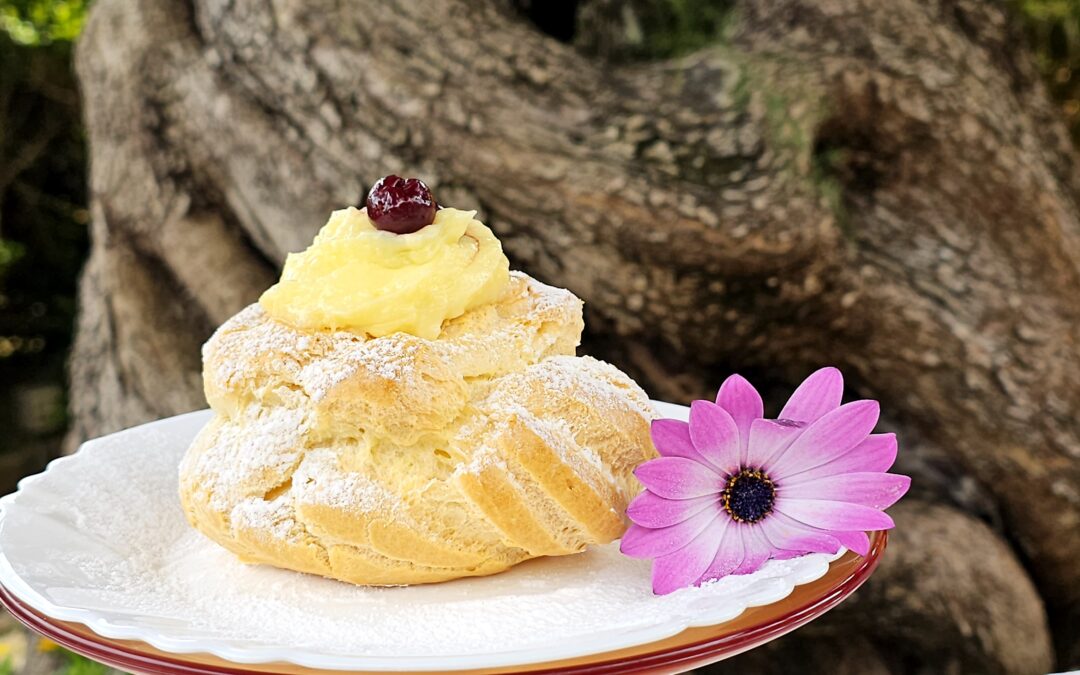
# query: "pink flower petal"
{"points": [[849, 540], [877, 490], [813, 544], [756, 550], [672, 439], [651, 510], [818, 394], [858, 542], [729, 554], [826, 439], [685, 566], [678, 478], [743, 403], [829, 515], [768, 440], [645, 542], [876, 453], [715, 436], [785, 534]]}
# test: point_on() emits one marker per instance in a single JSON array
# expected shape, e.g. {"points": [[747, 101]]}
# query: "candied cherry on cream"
{"points": [[400, 205]]}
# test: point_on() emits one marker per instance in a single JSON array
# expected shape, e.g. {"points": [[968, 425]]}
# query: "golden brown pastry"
{"points": [[403, 460]]}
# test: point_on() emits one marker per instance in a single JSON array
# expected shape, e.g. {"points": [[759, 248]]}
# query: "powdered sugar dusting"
{"points": [[319, 480], [338, 420], [260, 442], [557, 435], [483, 458], [250, 336], [334, 356], [546, 297], [274, 517]]}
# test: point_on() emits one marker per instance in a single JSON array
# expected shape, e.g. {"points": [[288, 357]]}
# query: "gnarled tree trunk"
{"points": [[880, 186]]}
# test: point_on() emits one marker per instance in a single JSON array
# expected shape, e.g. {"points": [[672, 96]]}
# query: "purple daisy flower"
{"points": [[732, 489]]}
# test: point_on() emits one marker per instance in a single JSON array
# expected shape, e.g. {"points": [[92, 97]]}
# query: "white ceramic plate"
{"points": [[99, 538]]}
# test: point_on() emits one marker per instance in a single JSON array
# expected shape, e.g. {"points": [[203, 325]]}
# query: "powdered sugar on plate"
{"points": [[100, 538]]}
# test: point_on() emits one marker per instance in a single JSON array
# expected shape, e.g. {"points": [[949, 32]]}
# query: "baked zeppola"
{"points": [[402, 409]]}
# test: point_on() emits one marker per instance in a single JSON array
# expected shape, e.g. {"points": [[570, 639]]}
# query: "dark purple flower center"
{"points": [[748, 496]]}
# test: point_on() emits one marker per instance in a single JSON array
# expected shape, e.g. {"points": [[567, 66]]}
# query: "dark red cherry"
{"points": [[400, 205]]}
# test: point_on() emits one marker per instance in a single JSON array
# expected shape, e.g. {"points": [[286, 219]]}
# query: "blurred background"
{"points": [[44, 216], [43, 226], [44, 213]]}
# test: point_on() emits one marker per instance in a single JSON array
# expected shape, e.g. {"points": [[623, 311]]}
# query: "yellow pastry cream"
{"points": [[357, 277]]}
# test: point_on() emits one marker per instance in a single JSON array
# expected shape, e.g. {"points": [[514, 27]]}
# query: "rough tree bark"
{"points": [[880, 186]]}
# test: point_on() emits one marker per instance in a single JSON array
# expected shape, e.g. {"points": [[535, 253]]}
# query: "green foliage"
{"points": [[43, 216], [1052, 28], [42, 195], [823, 175], [10, 252], [788, 134], [80, 665], [6, 667], [678, 27], [37, 22]]}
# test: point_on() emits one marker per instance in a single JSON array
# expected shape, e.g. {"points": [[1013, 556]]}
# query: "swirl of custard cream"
{"points": [[356, 277]]}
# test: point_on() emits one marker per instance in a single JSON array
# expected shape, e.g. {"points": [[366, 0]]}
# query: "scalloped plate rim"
{"points": [[259, 654]]}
